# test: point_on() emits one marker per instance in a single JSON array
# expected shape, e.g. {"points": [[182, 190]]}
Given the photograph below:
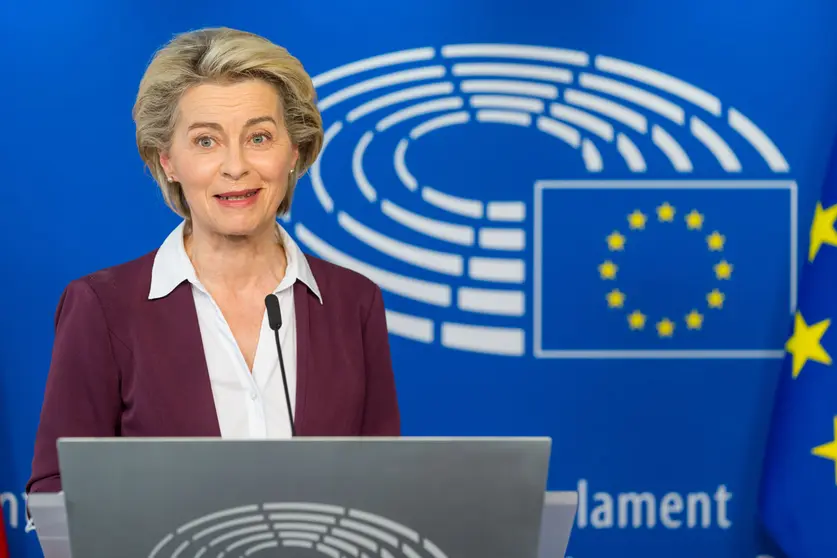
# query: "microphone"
{"points": [[274, 319]]}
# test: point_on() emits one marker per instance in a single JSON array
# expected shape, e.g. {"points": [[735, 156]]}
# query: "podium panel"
{"points": [[393, 498]]}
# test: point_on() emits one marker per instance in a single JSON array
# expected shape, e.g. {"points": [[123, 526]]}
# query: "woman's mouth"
{"points": [[238, 198]]}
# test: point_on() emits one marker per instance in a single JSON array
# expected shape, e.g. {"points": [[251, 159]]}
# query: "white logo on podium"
{"points": [[264, 529]]}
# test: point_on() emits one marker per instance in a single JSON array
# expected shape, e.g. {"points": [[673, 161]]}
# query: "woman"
{"points": [[177, 343]]}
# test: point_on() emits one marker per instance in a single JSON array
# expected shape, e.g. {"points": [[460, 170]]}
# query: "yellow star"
{"points": [[615, 299], [608, 270], [636, 320], [665, 328], [637, 219], [694, 220], [723, 270], [615, 241], [822, 229], [715, 241], [829, 450], [715, 299], [694, 320], [805, 344], [665, 213]]}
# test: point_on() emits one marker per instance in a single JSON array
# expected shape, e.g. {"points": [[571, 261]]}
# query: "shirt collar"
{"points": [[172, 265]]}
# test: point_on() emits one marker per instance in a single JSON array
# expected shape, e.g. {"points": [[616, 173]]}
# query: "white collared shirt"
{"points": [[248, 405]]}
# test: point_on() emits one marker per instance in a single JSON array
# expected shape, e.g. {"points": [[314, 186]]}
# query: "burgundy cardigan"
{"points": [[124, 365]]}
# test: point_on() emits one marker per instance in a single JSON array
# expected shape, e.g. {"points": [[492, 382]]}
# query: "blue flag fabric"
{"points": [[798, 494], [663, 268]]}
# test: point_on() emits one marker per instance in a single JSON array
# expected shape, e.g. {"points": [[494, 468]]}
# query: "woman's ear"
{"points": [[165, 162]]}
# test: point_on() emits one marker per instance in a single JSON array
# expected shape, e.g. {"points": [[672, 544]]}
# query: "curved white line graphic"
{"points": [[300, 517], [491, 301], [411, 327], [504, 117], [325, 549], [408, 287], [592, 157], [454, 204], [449, 264], [434, 550], [635, 95], [759, 140], [357, 539], [357, 167], [237, 533], [395, 78], [342, 545], [316, 178], [227, 524], [550, 54], [506, 211], [439, 105], [524, 88], [386, 523], [633, 157], [483, 339], [248, 540], [179, 550], [609, 108], [507, 102], [409, 552], [671, 148], [214, 516], [298, 544], [380, 61], [439, 122], [354, 537], [582, 119], [374, 532], [661, 81], [563, 132], [308, 506], [300, 527], [401, 170], [260, 547], [299, 535], [497, 269], [502, 239], [719, 148], [450, 232], [418, 92], [530, 71]]}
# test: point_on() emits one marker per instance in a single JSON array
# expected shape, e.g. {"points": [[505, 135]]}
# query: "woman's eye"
{"points": [[205, 142], [259, 139]]}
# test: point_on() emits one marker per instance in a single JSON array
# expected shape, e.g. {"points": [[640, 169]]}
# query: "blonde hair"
{"points": [[222, 55]]}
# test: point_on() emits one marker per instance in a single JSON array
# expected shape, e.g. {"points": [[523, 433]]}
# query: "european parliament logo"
{"points": [[528, 200]]}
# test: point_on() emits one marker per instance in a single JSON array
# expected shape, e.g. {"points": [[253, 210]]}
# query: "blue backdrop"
{"points": [[587, 219]]}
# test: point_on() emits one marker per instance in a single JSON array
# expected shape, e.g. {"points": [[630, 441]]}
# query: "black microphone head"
{"points": [[274, 314]]}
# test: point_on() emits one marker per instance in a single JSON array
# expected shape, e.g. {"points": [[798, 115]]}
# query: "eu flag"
{"points": [[798, 494], [663, 268]]}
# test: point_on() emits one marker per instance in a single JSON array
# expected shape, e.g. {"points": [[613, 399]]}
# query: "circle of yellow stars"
{"points": [[616, 241]]}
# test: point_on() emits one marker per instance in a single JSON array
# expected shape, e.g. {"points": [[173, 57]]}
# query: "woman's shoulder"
{"points": [[120, 282]]}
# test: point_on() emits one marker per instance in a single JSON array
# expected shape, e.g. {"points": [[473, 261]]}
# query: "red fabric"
{"points": [[4, 548], [121, 363]]}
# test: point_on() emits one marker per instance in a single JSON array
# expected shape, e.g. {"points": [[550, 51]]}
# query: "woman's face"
{"points": [[232, 156]]}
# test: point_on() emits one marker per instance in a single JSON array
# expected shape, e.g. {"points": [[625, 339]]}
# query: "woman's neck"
{"points": [[237, 262]]}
